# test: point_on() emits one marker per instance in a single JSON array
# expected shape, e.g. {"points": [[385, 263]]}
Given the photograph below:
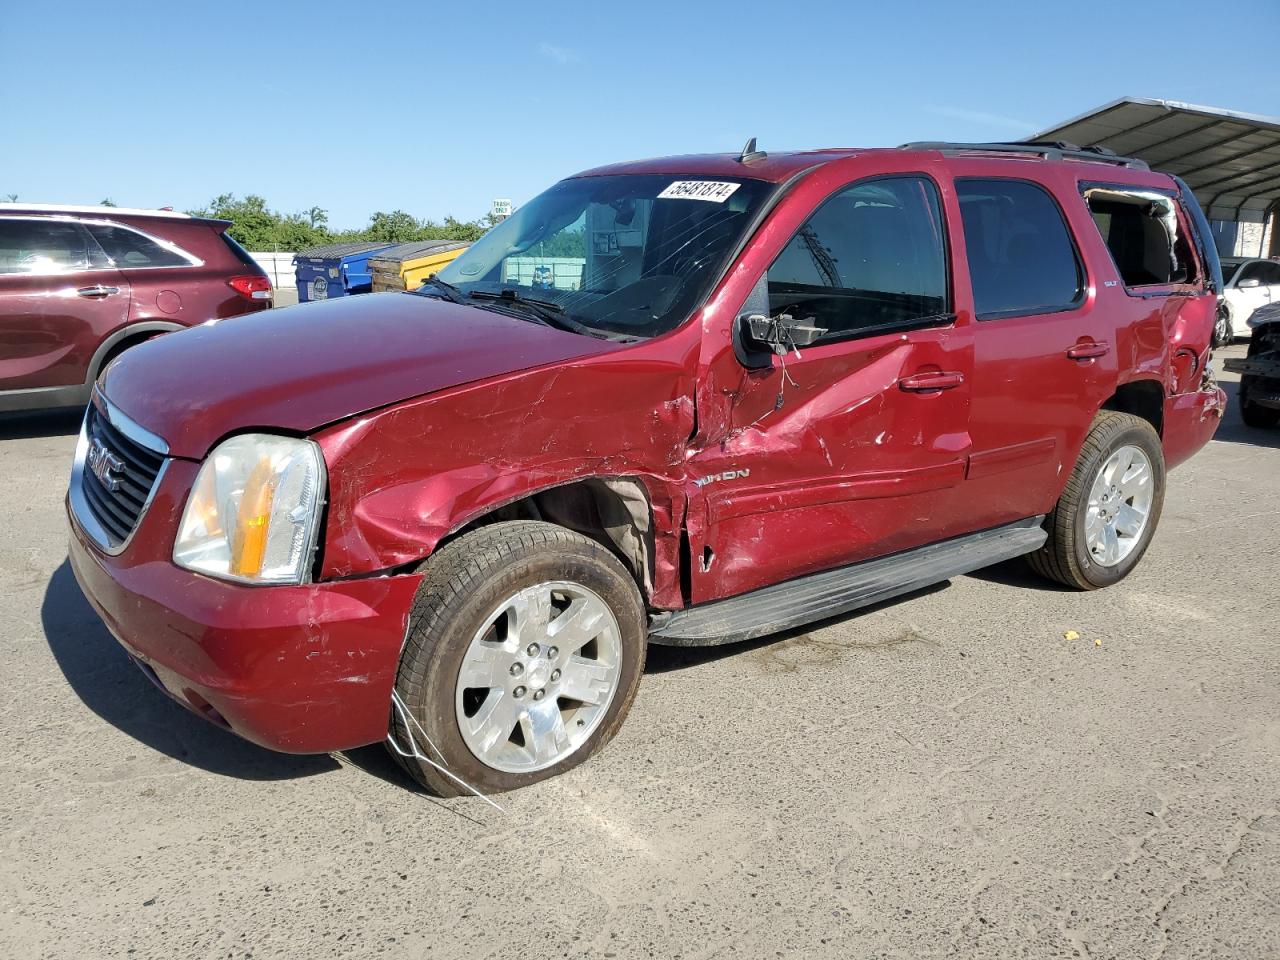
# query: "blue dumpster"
{"points": [[335, 270]]}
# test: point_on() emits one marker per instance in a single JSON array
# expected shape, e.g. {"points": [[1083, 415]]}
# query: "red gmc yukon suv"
{"points": [[681, 401]]}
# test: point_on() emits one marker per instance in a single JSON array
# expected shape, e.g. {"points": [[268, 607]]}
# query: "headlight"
{"points": [[253, 512]]}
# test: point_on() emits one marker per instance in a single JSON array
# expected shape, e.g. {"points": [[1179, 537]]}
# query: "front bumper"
{"points": [[300, 669]]}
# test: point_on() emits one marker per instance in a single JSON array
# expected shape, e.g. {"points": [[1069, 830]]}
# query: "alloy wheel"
{"points": [[538, 677], [1119, 505], [1222, 328]]}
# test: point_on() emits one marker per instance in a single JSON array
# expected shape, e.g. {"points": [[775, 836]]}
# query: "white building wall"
{"points": [[1253, 239], [277, 265]]}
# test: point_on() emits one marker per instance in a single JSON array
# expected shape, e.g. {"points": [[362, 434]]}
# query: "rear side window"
{"points": [[43, 247], [1141, 229], [127, 248], [872, 258], [239, 252], [1021, 257]]}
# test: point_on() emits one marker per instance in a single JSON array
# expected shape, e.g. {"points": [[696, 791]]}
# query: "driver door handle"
{"points": [[1089, 350], [97, 291], [932, 381]]}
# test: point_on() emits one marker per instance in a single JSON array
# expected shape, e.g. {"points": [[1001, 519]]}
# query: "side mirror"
{"points": [[781, 334], [1248, 284]]}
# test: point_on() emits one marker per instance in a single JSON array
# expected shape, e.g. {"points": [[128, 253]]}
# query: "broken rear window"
{"points": [[1142, 230]]}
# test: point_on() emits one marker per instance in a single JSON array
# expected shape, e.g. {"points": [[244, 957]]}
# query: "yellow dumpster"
{"points": [[406, 266]]}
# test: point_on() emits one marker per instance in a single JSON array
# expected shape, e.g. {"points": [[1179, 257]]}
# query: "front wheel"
{"points": [[1252, 413], [1103, 522], [525, 648]]}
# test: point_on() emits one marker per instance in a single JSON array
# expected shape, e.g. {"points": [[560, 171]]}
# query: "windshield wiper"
{"points": [[540, 307], [548, 313], [448, 289]]}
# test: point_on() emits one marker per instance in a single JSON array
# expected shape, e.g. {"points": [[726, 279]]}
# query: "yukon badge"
{"points": [[105, 465], [727, 475]]}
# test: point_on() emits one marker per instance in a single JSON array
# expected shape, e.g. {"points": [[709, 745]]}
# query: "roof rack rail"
{"points": [[1048, 149]]}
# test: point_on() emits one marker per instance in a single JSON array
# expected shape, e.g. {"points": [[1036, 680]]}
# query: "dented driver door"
{"points": [[855, 447]]}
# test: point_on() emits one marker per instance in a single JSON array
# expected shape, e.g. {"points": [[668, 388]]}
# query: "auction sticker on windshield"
{"points": [[714, 190]]}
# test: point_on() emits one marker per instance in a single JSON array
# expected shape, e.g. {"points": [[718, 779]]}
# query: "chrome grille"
{"points": [[114, 477]]}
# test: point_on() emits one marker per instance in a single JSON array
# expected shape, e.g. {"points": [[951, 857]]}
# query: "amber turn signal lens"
{"points": [[249, 544]]}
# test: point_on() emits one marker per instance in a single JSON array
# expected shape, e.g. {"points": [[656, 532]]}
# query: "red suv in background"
{"points": [[79, 285], [758, 391]]}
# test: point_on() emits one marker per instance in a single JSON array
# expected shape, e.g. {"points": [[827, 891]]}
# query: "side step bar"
{"points": [[833, 592]]}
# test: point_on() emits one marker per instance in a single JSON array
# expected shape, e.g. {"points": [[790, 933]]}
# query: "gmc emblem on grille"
{"points": [[105, 465]]}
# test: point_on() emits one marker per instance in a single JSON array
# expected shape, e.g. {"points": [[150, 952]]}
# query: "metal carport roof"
{"points": [[1230, 160]]}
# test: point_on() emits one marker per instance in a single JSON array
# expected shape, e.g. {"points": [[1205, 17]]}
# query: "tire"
{"points": [[1222, 326], [470, 610], [1070, 555], [1253, 415]]}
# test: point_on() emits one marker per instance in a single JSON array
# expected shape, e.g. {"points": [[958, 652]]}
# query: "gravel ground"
{"points": [[944, 775]]}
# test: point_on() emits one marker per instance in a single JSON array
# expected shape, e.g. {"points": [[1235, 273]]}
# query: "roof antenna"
{"points": [[750, 154]]}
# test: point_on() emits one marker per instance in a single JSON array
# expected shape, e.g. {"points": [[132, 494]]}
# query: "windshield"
{"points": [[627, 256]]}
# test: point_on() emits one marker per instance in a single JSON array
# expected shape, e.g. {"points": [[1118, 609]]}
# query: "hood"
{"points": [[300, 368]]}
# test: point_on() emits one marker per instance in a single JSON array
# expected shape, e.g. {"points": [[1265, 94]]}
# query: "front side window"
{"points": [[1021, 257], [625, 256], [872, 258], [1265, 273], [1144, 235], [127, 248], [41, 247]]}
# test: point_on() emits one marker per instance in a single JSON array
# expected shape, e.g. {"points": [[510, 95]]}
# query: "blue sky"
{"points": [[436, 108]]}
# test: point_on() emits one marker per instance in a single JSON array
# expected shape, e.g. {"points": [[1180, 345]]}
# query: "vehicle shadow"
{"points": [[45, 423], [1016, 573], [1233, 429], [109, 684], [663, 659]]}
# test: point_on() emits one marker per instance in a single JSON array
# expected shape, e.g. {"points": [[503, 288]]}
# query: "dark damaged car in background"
{"points": [[746, 391]]}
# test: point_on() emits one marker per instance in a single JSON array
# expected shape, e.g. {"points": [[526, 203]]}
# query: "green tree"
{"points": [[257, 227], [462, 230], [106, 202], [296, 232], [394, 227], [252, 224], [564, 243]]}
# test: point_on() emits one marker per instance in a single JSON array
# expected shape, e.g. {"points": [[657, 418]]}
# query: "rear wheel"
{"points": [[1107, 514], [525, 649]]}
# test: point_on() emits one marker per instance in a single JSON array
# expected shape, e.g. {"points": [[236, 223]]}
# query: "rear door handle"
{"points": [[930, 382], [1089, 350], [97, 291]]}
